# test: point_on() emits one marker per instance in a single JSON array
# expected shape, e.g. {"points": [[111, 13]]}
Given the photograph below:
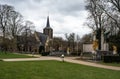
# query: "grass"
{"points": [[13, 55], [53, 70]]}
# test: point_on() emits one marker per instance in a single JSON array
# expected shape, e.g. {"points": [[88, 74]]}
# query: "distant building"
{"points": [[43, 41], [38, 42], [45, 38]]}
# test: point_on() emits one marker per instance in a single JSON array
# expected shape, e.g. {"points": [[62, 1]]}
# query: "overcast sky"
{"points": [[66, 16]]}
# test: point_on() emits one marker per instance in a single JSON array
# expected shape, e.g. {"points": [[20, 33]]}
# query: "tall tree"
{"points": [[15, 22], [86, 38], [57, 43], [4, 15], [29, 28], [96, 18], [71, 40], [15, 27], [112, 10]]}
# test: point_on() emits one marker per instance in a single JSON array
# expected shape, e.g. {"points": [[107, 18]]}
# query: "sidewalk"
{"points": [[67, 59], [92, 64]]}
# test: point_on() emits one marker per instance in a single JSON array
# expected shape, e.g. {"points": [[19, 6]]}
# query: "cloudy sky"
{"points": [[66, 16]]}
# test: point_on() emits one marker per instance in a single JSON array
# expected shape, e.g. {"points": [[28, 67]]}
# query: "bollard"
{"points": [[62, 57]]}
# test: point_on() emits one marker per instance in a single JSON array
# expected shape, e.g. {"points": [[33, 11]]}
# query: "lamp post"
{"points": [[102, 40]]}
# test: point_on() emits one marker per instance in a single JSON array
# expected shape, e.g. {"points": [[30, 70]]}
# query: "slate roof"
{"points": [[42, 37]]}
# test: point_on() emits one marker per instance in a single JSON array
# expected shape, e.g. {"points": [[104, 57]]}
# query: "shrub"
{"points": [[45, 53]]}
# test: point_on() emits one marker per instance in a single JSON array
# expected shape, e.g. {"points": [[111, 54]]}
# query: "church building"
{"points": [[45, 38], [37, 42]]}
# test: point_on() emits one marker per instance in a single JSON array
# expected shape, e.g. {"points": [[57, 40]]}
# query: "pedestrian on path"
{"points": [[62, 57]]}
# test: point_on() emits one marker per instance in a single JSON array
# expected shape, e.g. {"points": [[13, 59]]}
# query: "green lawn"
{"points": [[13, 55], [53, 70]]}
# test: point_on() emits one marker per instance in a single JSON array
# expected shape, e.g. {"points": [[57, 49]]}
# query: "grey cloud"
{"points": [[64, 7], [37, 1], [37, 10], [70, 7], [12, 1]]}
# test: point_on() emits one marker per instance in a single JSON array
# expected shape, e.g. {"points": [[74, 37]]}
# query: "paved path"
{"points": [[67, 59], [92, 64]]}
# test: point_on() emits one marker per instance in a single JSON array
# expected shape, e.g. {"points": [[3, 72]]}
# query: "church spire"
{"points": [[48, 23], [48, 30]]}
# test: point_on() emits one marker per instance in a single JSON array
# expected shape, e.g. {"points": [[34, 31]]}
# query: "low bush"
{"points": [[45, 53]]}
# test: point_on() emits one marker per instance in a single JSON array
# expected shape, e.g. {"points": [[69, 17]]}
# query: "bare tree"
{"points": [[15, 22], [104, 17], [86, 38], [57, 43], [96, 18], [29, 28], [4, 15], [15, 27], [78, 50], [112, 10], [116, 4], [71, 41]]}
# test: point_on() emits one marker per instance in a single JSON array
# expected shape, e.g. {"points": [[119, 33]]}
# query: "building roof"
{"points": [[42, 37]]}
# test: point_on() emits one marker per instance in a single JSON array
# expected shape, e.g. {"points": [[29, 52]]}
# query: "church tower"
{"points": [[48, 30]]}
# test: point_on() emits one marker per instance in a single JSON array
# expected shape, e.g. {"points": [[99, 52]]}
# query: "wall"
{"points": [[88, 47]]}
